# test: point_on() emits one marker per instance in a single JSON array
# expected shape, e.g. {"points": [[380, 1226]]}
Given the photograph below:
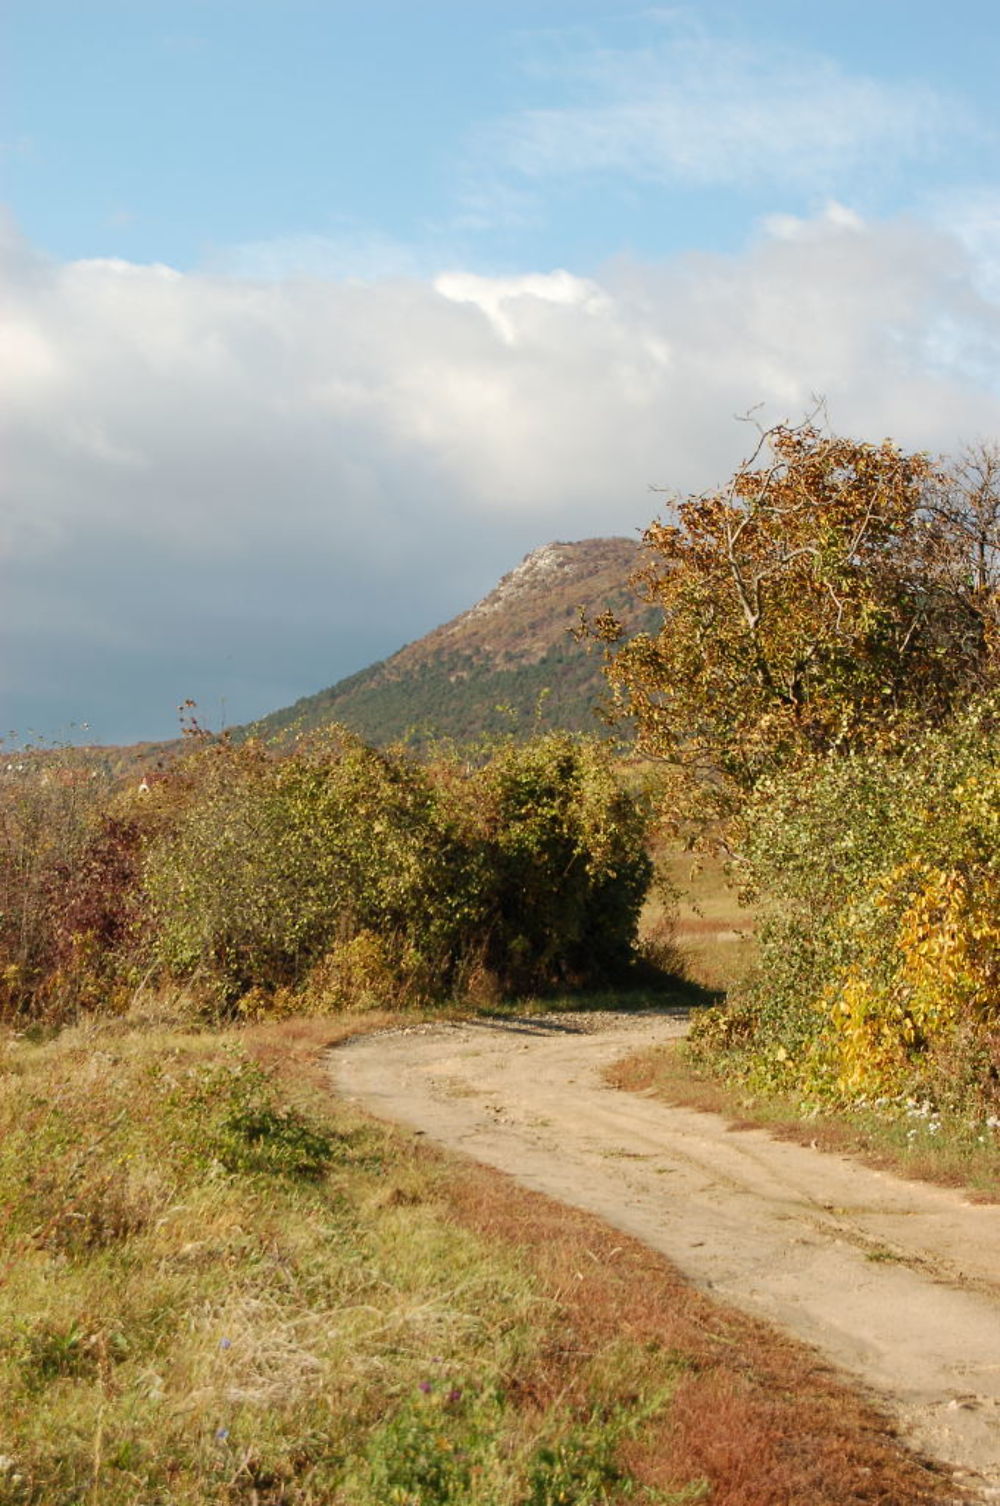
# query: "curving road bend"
{"points": [[898, 1283]]}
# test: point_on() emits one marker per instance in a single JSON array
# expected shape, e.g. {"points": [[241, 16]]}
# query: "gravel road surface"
{"points": [[896, 1282]]}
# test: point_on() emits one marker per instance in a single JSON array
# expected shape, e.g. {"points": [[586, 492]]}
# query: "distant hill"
{"points": [[508, 663]]}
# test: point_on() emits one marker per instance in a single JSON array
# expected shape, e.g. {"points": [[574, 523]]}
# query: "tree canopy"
{"points": [[834, 594]]}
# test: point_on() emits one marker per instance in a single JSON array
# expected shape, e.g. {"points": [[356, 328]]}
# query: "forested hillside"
{"points": [[510, 663]]}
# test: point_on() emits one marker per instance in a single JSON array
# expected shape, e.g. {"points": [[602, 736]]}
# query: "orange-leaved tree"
{"points": [[816, 601]]}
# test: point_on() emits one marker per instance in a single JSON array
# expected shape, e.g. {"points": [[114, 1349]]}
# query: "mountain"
{"points": [[509, 662]]}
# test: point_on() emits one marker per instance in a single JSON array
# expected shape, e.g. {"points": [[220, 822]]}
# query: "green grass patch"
{"points": [[216, 1290]]}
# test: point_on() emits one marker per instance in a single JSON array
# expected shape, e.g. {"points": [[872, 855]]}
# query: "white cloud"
{"points": [[973, 218], [793, 227], [494, 295], [697, 109], [221, 487]]}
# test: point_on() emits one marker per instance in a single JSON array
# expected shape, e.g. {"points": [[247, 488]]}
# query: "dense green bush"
{"points": [[331, 874], [372, 874], [264, 864], [565, 863]]}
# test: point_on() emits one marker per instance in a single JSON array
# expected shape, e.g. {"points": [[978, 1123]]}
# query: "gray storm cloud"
{"points": [[240, 490]]}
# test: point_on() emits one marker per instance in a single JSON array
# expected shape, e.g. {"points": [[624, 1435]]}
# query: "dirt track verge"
{"points": [[896, 1283]]}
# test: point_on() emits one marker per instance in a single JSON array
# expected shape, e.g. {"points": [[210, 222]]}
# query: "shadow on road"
{"points": [[572, 1022]]}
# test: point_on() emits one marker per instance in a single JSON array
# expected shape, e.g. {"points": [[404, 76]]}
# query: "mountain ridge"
{"points": [[507, 663]]}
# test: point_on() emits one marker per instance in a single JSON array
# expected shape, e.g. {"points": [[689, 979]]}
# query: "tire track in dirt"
{"points": [[898, 1283]]}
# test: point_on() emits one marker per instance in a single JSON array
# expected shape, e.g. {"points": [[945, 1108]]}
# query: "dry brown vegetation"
{"points": [[761, 1419], [696, 911]]}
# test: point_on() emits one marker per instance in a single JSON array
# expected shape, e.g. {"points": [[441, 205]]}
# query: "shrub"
{"points": [[565, 854], [264, 864], [50, 808], [375, 880], [879, 968], [356, 877]]}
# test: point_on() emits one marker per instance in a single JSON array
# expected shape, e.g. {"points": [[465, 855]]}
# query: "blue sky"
{"points": [[201, 134], [319, 316]]}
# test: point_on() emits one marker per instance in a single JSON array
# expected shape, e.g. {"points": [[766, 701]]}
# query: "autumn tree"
{"points": [[826, 597], [966, 502]]}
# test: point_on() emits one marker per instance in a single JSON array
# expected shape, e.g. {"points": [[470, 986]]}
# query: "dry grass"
{"points": [[666, 1072], [185, 1318], [208, 1294], [757, 1417], [713, 934], [295, 1048]]}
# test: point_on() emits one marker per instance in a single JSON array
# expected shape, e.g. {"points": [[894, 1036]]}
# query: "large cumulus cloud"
{"points": [[240, 490]]}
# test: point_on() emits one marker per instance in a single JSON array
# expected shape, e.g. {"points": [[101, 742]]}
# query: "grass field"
{"points": [[698, 914], [219, 1284]]}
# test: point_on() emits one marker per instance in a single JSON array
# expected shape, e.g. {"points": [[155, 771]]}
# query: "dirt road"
{"points": [[897, 1282]]}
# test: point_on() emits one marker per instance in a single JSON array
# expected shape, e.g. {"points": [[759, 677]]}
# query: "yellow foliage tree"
{"points": [[814, 602]]}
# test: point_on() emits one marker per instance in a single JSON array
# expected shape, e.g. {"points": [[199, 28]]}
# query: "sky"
{"points": [[316, 317]]}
